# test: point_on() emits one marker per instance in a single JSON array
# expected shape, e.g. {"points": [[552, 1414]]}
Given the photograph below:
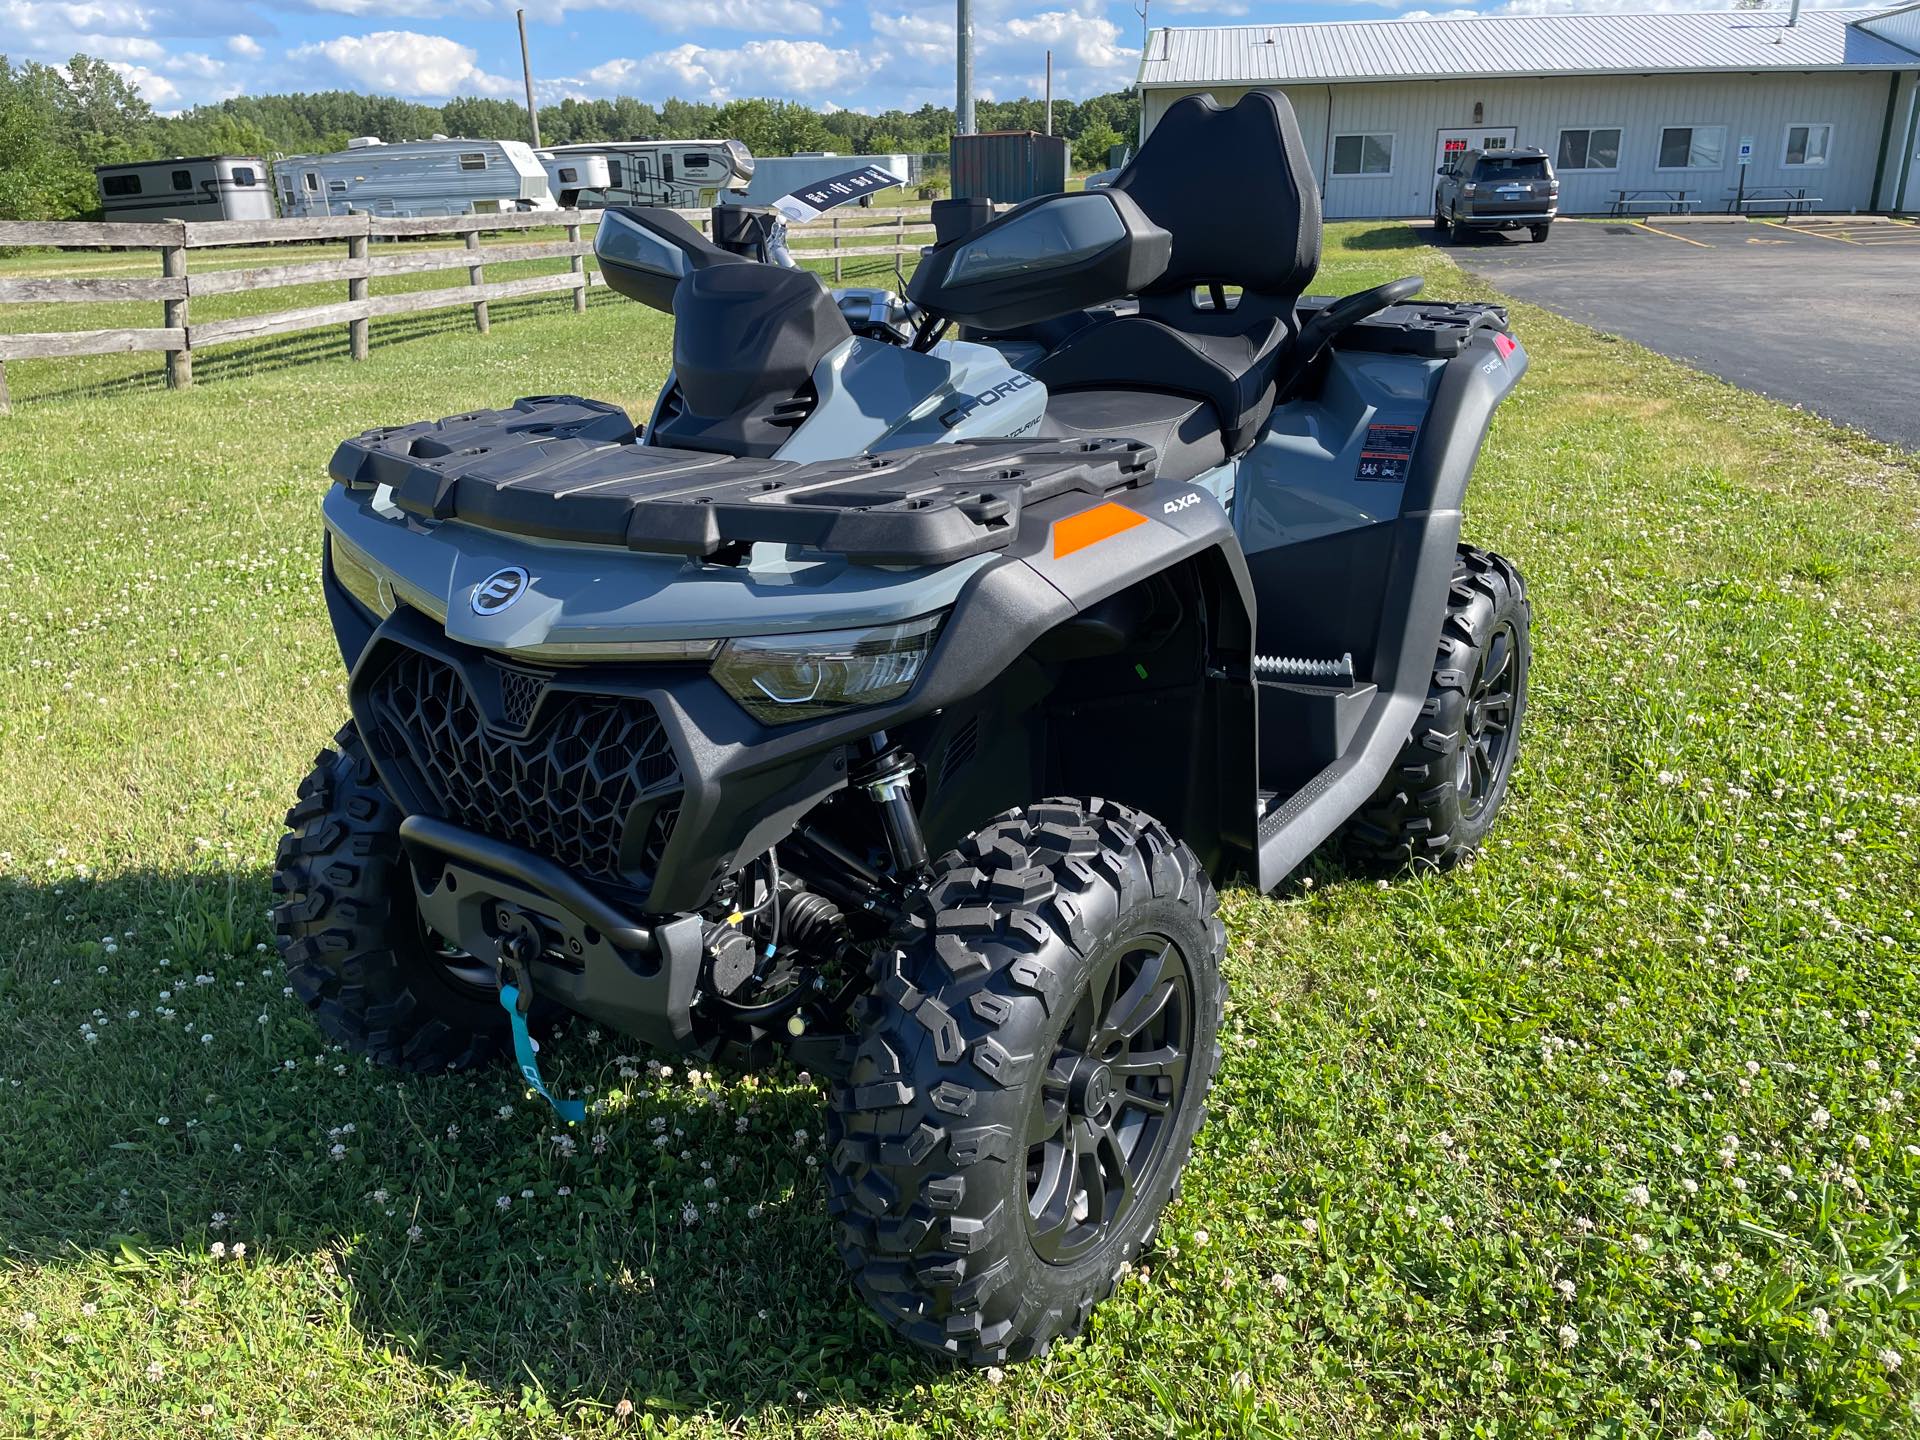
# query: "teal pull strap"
{"points": [[571, 1111]]}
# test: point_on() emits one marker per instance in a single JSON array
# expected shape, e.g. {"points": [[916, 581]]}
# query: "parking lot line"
{"points": [[1683, 239], [1809, 230]]}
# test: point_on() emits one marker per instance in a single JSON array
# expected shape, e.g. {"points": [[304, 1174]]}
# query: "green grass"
{"points": [[1687, 964]]}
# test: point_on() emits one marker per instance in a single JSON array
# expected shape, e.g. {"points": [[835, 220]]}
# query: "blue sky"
{"points": [[825, 53]]}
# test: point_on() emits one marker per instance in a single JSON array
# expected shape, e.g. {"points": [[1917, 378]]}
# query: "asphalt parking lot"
{"points": [[1823, 314]]}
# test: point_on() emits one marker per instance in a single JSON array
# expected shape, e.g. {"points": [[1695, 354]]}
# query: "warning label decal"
{"points": [[1388, 453]]}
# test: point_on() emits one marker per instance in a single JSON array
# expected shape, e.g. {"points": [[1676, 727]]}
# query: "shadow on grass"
{"points": [[1399, 236], [591, 1282], [307, 347]]}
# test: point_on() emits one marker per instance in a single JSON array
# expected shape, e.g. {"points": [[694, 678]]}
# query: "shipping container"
{"points": [[1008, 166]]}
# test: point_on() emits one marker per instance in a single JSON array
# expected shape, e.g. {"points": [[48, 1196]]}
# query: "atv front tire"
{"points": [[350, 936], [1439, 799], [1030, 1072]]}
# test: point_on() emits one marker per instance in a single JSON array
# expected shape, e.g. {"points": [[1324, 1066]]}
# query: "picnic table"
{"points": [[1792, 201], [1671, 202]]}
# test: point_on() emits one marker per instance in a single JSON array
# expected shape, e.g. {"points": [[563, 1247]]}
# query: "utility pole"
{"points": [[1141, 10], [963, 68], [526, 69], [1049, 92]]}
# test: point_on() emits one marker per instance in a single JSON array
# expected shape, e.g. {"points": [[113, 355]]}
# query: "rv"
{"points": [[205, 187], [415, 178], [569, 175], [680, 174], [775, 176]]}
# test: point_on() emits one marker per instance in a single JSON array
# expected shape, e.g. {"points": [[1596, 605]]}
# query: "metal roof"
{"points": [[1519, 45]]}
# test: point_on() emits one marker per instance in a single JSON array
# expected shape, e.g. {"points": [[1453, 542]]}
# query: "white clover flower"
{"points": [[1568, 1336], [414, 1232], [526, 1194], [239, 1249], [1889, 1359], [218, 1250], [1640, 1244], [503, 1202], [155, 1371], [1676, 1077], [1692, 1187], [1820, 1119], [1565, 1288], [1639, 1196], [1822, 1323], [380, 1196], [690, 1214]]}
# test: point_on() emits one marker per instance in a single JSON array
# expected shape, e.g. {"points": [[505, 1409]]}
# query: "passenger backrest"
{"points": [[1237, 192]]}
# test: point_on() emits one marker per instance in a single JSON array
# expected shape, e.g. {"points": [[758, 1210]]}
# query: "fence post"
{"points": [[6, 403], [173, 265], [836, 249], [357, 290], [476, 276], [577, 264]]}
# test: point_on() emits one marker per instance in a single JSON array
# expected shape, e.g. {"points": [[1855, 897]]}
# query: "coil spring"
{"points": [[1294, 667]]}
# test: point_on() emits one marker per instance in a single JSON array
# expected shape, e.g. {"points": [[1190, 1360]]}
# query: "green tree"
{"points": [[1091, 147]]}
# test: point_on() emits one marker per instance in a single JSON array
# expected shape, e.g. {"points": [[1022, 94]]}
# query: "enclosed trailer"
{"points": [[680, 174], [203, 187], [415, 178]]}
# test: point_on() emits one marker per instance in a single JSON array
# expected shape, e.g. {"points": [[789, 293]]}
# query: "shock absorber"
{"points": [[886, 773]]}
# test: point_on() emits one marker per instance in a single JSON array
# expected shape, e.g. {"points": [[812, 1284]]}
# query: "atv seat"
{"points": [[1266, 242], [1182, 428]]}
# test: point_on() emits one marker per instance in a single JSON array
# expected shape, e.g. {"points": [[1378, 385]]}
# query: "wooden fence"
{"points": [[178, 337]]}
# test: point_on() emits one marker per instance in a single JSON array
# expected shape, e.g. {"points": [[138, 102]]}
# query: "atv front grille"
{"points": [[567, 790]]}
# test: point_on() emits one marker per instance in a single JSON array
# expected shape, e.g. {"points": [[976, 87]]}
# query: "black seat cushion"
{"points": [[1181, 427], [1266, 242]]}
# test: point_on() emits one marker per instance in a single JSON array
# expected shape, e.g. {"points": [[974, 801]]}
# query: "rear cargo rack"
{"points": [[558, 467]]}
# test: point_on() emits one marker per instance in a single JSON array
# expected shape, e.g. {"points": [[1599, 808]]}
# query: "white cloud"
{"points": [[764, 17], [245, 46], [1092, 41], [405, 62], [157, 90], [703, 72]]}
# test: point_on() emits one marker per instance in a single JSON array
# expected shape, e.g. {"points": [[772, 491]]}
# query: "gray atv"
{"points": [[895, 699]]}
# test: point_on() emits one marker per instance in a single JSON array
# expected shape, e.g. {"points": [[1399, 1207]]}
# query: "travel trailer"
{"points": [[415, 178], [680, 174], [571, 174], [204, 187]]}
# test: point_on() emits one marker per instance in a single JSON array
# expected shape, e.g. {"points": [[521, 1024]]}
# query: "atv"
{"points": [[894, 700]]}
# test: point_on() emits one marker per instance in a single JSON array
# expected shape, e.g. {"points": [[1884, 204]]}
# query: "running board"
{"points": [[1302, 821]]}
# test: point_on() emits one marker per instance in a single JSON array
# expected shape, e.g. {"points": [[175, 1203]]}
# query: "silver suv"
{"points": [[1496, 190]]}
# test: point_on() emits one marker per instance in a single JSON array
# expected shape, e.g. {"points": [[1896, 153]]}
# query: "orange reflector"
{"points": [[1090, 527]]}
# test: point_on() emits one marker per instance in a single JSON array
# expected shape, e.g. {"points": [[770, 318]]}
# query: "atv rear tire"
{"points": [[1440, 797], [1029, 1074], [350, 935]]}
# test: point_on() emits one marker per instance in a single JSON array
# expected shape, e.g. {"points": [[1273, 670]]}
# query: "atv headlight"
{"points": [[780, 679], [356, 577]]}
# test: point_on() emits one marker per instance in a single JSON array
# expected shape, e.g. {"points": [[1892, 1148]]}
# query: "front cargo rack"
{"points": [[558, 467]]}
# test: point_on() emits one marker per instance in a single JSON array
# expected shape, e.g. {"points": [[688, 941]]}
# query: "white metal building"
{"points": [[1823, 103]]}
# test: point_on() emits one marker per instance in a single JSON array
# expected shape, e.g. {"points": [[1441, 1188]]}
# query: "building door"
{"points": [[1453, 142]]}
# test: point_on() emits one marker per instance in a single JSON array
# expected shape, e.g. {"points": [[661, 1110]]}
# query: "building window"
{"points": [[243, 176], [120, 185], [183, 179], [1693, 147], [695, 160], [569, 175], [1807, 146], [1591, 149], [1363, 154], [337, 187], [473, 160], [313, 181], [616, 175]]}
